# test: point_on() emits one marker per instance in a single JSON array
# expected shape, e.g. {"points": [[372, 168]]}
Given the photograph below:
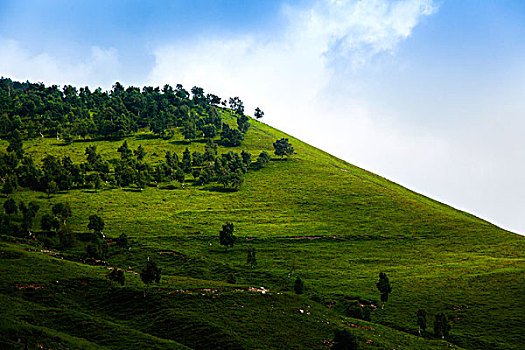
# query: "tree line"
{"points": [[61, 174], [48, 111]]}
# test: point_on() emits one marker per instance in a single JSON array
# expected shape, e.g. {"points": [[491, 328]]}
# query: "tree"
{"points": [[262, 160], [283, 147], [251, 259], [10, 206], [125, 151], [421, 320], [198, 95], [226, 237], [96, 181], [258, 113], [246, 158], [384, 288], [344, 340], [367, 313], [179, 175], [205, 176], [140, 153], [236, 105], [51, 188], [186, 161], [209, 131], [96, 223], [243, 123], [10, 185], [190, 130], [49, 222], [213, 99], [235, 178], [93, 158], [181, 93], [210, 151], [15, 144], [230, 137], [441, 326], [122, 241], [355, 310], [197, 158], [298, 286], [117, 275], [28, 215], [65, 236], [151, 273], [195, 173], [62, 210], [97, 249]]}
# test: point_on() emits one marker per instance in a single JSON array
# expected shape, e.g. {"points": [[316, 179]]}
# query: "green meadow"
{"points": [[313, 216]]}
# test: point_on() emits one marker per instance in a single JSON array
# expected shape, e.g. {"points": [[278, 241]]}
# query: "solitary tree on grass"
{"points": [[96, 180], [441, 326], [344, 340], [283, 148], [151, 273], [298, 286], [10, 206], [28, 215], [96, 223], [251, 259], [226, 237], [117, 275], [122, 241], [51, 188], [384, 288], [421, 320], [49, 222], [62, 210]]}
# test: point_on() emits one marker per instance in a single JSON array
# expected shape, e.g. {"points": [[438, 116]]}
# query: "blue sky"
{"points": [[426, 93]]}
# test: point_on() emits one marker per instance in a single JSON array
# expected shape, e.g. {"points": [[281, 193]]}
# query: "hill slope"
{"points": [[314, 216]]}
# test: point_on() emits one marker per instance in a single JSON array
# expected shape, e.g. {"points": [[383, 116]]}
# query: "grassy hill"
{"points": [[313, 216]]}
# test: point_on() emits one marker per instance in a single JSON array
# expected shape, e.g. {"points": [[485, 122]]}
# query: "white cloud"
{"points": [[99, 68], [289, 76], [295, 76]]}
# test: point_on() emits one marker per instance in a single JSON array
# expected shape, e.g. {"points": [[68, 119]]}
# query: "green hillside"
{"points": [[309, 215]]}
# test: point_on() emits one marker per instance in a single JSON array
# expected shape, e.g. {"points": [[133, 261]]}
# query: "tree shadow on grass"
{"points": [[169, 187], [187, 142], [147, 137], [218, 189], [132, 189]]}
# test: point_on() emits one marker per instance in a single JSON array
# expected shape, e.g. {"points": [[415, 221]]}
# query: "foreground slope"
{"points": [[314, 216]]}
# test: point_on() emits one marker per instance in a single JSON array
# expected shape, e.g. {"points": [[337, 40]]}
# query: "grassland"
{"points": [[314, 216]]}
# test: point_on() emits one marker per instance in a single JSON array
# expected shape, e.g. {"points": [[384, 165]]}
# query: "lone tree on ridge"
{"points": [[258, 113]]}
